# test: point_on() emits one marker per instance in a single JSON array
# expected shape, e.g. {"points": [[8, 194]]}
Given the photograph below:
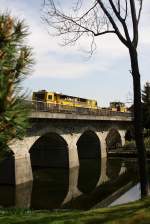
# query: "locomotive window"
{"points": [[82, 100], [49, 97], [39, 96], [63, 96]]}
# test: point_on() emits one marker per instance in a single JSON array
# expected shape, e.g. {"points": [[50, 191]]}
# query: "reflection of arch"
{"points": [[50, 150], [73, 190], [88, 147], [50, 187], [113, 168], [103, 178], [113, 139], [7, 168]]}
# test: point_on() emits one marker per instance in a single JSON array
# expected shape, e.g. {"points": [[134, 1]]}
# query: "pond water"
{"points": [[131, 195], [96, 183]]}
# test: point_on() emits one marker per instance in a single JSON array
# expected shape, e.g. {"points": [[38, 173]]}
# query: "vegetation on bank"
{"points": [[136, 212], [131, 144], [130, 141]]}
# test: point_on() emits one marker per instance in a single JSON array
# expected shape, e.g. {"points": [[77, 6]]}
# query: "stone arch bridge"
{"points": [[69, 137]]}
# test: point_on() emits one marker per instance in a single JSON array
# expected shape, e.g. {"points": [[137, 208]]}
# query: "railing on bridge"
{"points": [[58, 108]]}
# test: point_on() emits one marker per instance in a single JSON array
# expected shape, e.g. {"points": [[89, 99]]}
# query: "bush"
{"points": [[147, 143], [129, 145]]}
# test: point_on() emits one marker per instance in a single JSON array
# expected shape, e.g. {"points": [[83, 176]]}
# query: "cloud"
{"points": [[50, 65], [105, 76], [54, 61], [57, 69]]}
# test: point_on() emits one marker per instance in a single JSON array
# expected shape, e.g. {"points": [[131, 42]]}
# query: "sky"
{"points": [[69, 70]]}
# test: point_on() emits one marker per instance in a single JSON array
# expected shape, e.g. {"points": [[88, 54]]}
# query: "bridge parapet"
{"points": [[75, 116], [39, 106]]}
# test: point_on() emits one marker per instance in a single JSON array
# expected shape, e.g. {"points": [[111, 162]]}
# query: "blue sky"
{"points": [[105, 76]]}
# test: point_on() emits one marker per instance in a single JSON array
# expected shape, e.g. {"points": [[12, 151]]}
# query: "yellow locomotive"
{"points": [[118, 106], [52, 99], [64, 100]]}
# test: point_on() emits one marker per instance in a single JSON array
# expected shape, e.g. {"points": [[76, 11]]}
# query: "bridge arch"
{"points": [[89, 152], [49, 150], [113, 139]]}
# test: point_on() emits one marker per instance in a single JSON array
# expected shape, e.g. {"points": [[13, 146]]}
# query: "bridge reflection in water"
{"points": [[95, 183]]}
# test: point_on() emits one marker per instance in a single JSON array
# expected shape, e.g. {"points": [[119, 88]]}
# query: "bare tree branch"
{"points": [[91, 22], [123, 40], [121, 20], [119, 6], [115, 11], [85, 14], [134, 22], [126, 10], [73, 28], [140, 9]]}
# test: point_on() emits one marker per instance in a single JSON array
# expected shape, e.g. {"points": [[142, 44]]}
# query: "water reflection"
{"points": [[23, 195], [19, 196], [7, 196], [132, 195], [50, 187], [95, 183], [73, 190], [89, 174]]}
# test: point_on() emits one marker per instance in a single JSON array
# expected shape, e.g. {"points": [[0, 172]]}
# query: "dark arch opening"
{"points": [[113, 140], [129, 135], [49, 159], [89, 153], [88, 146], [50, 150], [130, 139]]}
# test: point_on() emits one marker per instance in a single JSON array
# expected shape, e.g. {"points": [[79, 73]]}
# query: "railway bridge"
{"points": [[61, 138]]}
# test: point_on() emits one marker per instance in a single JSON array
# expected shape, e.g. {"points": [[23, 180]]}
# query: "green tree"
{"points": [[96, 18], [15, 63], [146, 105]]}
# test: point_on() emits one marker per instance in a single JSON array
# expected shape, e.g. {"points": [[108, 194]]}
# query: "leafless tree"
{"points": [[96, 18]]}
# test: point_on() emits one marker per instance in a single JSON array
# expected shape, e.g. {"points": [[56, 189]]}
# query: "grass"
{"points": [[131, 213]]}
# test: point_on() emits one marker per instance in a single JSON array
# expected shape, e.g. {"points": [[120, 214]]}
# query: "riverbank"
{"points": [[126, 153], [131, 213]]}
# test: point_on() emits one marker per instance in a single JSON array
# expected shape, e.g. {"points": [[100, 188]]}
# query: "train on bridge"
{"points": [[53, 99]]}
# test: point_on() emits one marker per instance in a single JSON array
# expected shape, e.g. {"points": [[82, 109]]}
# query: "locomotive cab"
{"points": [[118, 106]]}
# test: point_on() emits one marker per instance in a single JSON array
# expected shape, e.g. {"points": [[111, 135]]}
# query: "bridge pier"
{"points": [[23, 170], [102, 138], [122, 135], [71, 140]]}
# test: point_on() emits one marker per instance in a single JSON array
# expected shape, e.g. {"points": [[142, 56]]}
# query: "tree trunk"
{"points": [[138, 123]]}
